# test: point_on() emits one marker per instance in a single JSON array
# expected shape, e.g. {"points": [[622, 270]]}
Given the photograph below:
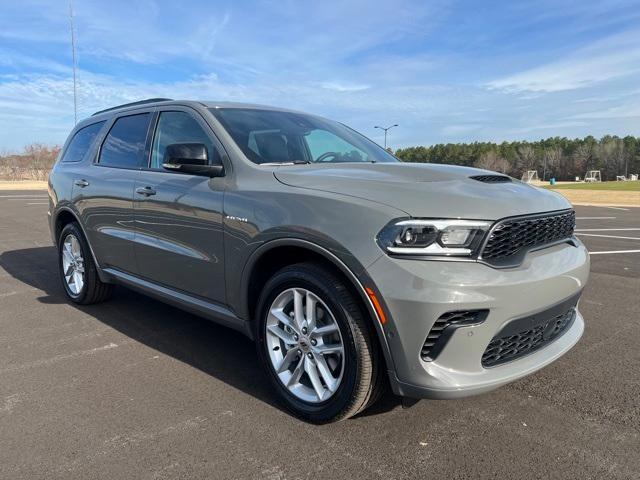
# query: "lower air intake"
{"points": [[527, 335], [444, 327]]}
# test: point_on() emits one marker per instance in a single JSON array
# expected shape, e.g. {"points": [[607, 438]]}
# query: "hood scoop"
{"points": [[491, 178]]}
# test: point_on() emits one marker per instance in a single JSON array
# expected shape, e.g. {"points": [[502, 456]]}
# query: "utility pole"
{"points": [[386, 129], [73, 56]]}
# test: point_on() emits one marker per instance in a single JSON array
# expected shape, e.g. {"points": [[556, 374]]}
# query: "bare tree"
{"points": [[492, 161], [611, 155], [552, 160], [525, 159], [583, 158], [33, 163]]}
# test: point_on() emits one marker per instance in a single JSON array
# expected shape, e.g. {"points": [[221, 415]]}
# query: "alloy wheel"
{"points": [[73, 264], [305, 345]]}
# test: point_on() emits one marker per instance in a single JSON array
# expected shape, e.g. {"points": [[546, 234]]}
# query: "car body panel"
{"points": [[426, 190], [418, 292], [178, 233], [105, 209]]}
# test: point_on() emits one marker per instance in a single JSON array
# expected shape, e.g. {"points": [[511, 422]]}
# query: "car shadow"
{"points": [[213, 349]]}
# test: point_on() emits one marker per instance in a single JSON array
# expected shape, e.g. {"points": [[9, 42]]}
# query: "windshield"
{"points": [[269, 136]]}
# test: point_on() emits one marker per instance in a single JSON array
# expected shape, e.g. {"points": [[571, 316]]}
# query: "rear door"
{"points": [[104, 191], [178, 217]]}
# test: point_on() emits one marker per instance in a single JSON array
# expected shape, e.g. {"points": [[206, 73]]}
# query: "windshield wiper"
{"points": [[290, 162]]}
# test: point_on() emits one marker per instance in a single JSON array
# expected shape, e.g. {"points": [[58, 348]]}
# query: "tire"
{"points": [[360, 379], [92, 289]]}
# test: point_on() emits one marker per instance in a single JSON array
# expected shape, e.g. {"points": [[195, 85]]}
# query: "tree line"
{"points": [[558, 157], [33, 163]]}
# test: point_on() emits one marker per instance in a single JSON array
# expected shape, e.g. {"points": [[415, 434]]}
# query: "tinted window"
{"points": [[81, 142], [124, 146], [268, 136], [326, 146], [179, 127]]}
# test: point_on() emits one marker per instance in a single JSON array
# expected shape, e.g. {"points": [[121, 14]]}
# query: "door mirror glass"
{"points": [[190, 158]]}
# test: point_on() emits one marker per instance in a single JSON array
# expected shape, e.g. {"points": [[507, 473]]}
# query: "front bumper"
{"points": [[417, 292]]}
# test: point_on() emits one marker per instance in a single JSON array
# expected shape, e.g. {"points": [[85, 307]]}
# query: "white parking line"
{"points": [[606, 236], [595, 218], [604, 229], [26, 195], [38, 203], [614, 251], [618, 208]]}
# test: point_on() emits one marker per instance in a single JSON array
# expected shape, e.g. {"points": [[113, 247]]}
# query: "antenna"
{"points": [[73, 55]]}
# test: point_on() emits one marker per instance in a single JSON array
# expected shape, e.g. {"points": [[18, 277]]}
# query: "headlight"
{"points": [[433, 237]]}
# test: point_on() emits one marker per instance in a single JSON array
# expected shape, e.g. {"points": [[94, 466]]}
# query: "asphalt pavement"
{"points": [[133, 388]]}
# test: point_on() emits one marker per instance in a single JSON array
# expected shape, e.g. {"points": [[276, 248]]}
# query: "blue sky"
{"points": [[446, 71]]}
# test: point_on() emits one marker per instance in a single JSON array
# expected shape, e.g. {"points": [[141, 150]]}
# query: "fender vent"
{"points": [[491, 178]]}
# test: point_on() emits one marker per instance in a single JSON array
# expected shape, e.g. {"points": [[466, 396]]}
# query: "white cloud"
{"points": [[614, 57], [344, 87], [360, 62]]}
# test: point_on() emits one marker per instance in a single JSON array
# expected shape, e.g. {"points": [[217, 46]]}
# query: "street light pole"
{"points": [[386, 129]]}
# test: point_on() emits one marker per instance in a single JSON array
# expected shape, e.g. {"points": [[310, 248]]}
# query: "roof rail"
{"points": [[133, 104]]}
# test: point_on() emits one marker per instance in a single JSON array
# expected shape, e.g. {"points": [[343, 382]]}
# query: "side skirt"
{"points": [[197, 306]]}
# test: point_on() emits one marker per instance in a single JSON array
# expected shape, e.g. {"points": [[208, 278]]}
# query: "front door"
{"points": [[178, 217]]}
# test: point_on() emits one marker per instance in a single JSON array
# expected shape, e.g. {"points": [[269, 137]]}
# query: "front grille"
{"points": [[510, 238], [444, 327], [491, 178], [521, 337]]}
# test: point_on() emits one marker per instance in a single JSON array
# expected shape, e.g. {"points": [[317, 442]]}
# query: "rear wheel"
{"points": [[315, 344], [77, 270]]}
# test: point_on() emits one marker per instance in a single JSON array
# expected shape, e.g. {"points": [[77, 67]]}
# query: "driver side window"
{"points": [[321, 142], [179, 127]]}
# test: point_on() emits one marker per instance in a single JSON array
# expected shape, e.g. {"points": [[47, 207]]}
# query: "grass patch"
{"points": [[610, 186]]}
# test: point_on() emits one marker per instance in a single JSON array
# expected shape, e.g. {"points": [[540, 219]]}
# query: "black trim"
{"points": [[449, 330], [491, 178], [542, 319], [147, 141], [200, 120], [517, 258], [133, 104]]}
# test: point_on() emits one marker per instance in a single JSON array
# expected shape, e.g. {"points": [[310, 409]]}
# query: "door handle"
{"points": [[146, 191], [81, 183]]}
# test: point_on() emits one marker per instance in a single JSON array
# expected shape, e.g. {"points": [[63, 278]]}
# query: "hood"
{"points": [[425, 190]]}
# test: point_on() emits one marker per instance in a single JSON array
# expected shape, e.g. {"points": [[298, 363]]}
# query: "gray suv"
{"points": [[348, 268]]}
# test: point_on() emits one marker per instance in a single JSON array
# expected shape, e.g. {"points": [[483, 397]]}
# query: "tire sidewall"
{"points": [[72, 229], [317, 412]]}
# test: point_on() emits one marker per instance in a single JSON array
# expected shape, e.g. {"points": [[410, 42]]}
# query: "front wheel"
{"points": [[316, 345]]}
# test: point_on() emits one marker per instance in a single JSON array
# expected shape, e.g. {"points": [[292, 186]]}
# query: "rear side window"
{"points": [[81, 143], [125, 144], [180, 127]]}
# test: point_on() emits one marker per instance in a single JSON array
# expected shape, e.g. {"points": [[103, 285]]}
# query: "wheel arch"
{"points": [[269, 258], [63, 217]]}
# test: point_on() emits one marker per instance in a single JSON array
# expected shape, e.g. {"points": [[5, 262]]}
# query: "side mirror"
{"points": [[190, 158]]}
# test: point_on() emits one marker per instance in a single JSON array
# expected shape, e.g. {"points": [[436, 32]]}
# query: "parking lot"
{"points": [[136, 389]]}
